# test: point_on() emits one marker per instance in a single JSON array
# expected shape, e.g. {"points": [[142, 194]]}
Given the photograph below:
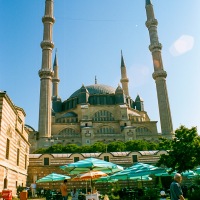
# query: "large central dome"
{"points": [[96, 89]]}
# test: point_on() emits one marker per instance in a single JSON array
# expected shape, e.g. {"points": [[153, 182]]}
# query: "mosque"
{"points": [[93, 113], [97, 112]]}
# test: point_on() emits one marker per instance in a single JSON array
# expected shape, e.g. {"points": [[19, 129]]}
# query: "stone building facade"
{"points": [[14, 148]]}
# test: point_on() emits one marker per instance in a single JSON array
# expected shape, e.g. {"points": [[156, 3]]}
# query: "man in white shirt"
{"points": [[33, 189]]}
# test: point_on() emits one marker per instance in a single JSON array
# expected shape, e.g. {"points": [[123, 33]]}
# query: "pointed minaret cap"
{"points": [[122, 60], [95, 79], [148, 2], [55, 59]]}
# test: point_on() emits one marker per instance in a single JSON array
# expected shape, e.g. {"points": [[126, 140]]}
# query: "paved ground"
{"points": [[37, 199]]}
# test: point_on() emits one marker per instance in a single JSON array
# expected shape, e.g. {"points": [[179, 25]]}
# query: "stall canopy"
{"points": [[53, 177], [89, 164]]}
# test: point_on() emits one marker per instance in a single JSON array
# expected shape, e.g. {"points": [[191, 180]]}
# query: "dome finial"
{"points": [[122, 60]]}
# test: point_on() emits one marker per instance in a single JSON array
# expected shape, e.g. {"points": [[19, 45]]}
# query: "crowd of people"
{"points": [[176, 192]]}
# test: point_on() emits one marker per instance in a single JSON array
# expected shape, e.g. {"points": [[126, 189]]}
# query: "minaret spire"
{"points": [[159, 74], [95, 79], [55, 79], [124, 79], [148, 2], [46, 74]]}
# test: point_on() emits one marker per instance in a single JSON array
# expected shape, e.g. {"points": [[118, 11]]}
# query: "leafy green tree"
{"points": [[41, 150], [152, 146], [86, 149], [165, 144], [98, 147], [71, 148], [116, 146], [185, 152], [58, 148], [137, 145]]}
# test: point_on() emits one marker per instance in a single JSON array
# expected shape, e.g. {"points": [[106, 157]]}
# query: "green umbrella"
{"points": [[141, 178], [197, 170], [53, 177], [137, 170], [188, 174], [91, 164], [106, 179]]}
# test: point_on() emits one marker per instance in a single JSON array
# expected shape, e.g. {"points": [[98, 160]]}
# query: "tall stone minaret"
{"points": [[124, 79], [46, 74], [159, 74], [55, 79]]}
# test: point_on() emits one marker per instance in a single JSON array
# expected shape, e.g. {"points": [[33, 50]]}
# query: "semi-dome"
{"points": [[29, 128], [96, 89], [69, 114]]}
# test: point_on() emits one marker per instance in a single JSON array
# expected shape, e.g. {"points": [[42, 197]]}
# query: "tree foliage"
{"points": [[184, 150], [116, 146]]}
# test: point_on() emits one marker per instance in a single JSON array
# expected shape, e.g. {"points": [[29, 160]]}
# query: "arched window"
{"points": [[69, 132], [103, 115], [142, 130], [106, 130]]}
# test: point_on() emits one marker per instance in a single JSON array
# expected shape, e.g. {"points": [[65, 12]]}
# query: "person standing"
{"points": [[74, 194], [175, 188], [63, 189], [33, 189]]}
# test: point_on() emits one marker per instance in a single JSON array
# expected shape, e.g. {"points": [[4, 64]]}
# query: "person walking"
{"points": [[63, 189], [175, 188]]}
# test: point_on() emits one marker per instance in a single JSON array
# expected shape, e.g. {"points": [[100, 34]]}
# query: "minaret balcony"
{"points": [[160, 73], [45, 73], [47, 44], [151, 22], [48, 18], [124, 80], [156, 46]]}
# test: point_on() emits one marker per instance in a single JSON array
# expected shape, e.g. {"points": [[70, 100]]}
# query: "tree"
{"points": [[140, 145], [98, 147], [58, 148], [185, 150], [165, 144], [70, 148], [116, 146]]}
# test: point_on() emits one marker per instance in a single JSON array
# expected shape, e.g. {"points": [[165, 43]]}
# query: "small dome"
{"points": [[29, 128], [95, 89]]}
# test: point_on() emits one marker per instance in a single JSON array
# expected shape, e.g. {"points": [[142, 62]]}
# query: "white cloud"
{"points": [[138, 75], [182, 45]]}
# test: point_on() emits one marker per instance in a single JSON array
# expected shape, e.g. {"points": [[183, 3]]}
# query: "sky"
{"points": [[89, 36]]}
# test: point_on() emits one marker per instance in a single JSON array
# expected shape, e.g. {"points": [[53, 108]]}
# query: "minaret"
{"points": [[46, 74], [55, 79], [159, 74], [124, 80]]}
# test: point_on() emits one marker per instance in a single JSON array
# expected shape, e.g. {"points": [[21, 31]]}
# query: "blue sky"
{"points": [[89, 35]]}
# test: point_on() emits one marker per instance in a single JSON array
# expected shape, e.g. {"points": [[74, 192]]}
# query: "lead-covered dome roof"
{"points": [[96, 89]]}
